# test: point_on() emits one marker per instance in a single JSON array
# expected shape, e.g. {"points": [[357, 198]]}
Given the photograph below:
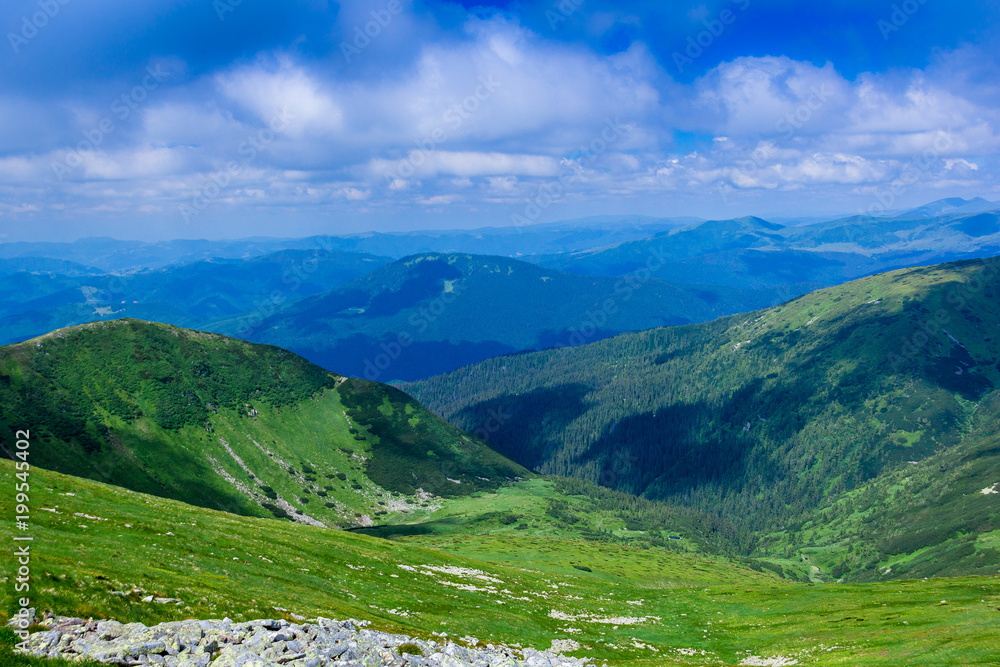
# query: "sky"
{"points": [[233, 118]]}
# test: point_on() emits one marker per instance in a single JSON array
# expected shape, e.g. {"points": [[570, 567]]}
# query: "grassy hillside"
{"points": [[624, 605], [433, 312], [221, 423], [856, 426]]}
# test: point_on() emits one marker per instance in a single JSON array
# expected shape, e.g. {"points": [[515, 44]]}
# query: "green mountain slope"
{"points": [[859, 421], [621, 605], [221, 423], [433, 312]]}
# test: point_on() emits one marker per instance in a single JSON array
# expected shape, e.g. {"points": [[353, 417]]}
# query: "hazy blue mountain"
{"points": [[751, 252], [190, 294], [434, 312], [45, 265], [571, 235], [952, 206]]}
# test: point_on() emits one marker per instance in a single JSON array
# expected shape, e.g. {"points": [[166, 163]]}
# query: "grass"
{"points": [[100, 539]]}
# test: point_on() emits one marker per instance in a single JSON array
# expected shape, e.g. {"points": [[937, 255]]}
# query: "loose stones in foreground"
{"points": [[265, 643]]}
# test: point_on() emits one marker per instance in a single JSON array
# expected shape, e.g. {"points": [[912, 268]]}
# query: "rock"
{"points": [[107, 630], [266, 643]]}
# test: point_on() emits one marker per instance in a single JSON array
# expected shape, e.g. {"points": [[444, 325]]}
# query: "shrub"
{"points": [[276, 511], [410, 648]]}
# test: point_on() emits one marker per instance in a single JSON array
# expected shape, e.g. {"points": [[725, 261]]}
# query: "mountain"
{"points": [[751, 252], [114, 256], [952, 205], [36, 265], [221, 423], [852, 429], [434, 312], [189, 294]]}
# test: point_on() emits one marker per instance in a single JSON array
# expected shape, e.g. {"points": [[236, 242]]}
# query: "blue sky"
{"points": [[227, 118]]}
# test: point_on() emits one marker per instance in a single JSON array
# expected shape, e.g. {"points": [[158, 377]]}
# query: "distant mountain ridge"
{"points": [[753, 252], [434, 312]]}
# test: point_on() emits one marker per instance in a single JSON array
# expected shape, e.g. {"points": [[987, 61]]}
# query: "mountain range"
{"points": [[432, 313], [333, 301]]}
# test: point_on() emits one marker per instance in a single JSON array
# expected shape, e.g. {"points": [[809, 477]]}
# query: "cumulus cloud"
{"points": [[487, 111]]}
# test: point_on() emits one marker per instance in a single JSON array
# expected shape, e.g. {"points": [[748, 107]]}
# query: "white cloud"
{"points": [[270, 92]]}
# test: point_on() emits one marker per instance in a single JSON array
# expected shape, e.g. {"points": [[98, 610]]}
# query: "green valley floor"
{"points": [[623, 605]]}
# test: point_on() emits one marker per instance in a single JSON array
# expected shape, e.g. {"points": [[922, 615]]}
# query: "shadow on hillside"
{"points": [[527, 428]]}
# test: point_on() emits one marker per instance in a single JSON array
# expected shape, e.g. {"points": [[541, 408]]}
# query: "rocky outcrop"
{"points": [[267, 643]]}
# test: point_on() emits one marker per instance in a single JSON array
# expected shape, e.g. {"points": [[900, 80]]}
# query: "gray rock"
{"points": [[266, 643]]}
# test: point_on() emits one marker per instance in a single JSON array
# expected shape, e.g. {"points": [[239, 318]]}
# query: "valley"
{"points": [[619, 604]]}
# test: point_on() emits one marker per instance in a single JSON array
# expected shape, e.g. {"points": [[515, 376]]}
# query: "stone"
{"points": [[266, 643]]}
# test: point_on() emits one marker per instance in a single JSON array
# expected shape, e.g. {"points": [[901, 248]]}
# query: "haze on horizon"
{"points": [[228, 119]]}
